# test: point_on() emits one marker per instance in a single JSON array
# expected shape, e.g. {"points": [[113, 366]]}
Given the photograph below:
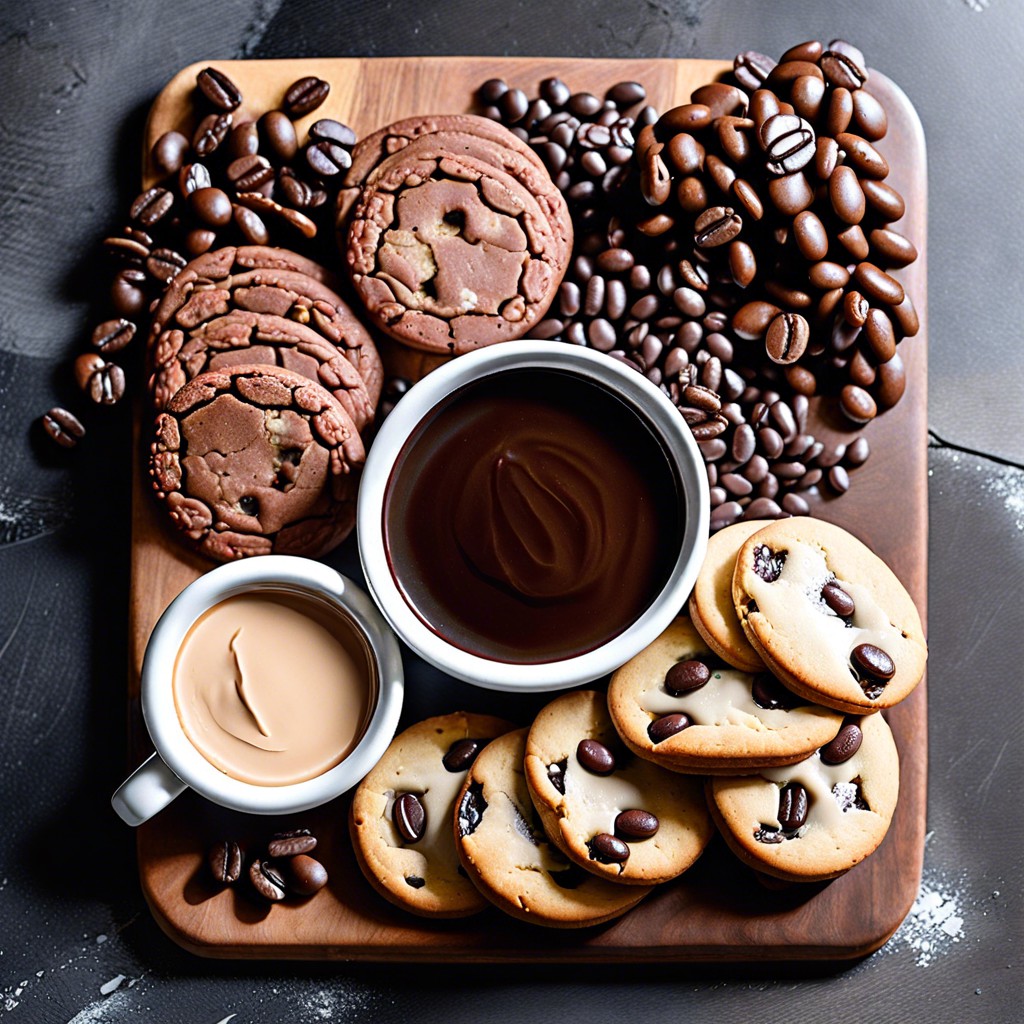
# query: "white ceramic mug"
{"points": [[652, 407], [177, 764]]}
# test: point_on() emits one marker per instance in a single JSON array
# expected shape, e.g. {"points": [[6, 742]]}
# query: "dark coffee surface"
{"points": [[531, 518], [77, 938]]}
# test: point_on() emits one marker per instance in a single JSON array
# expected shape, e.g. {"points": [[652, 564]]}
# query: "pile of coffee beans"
{"points": [[697, 264], [283, 868], [242, 178]]}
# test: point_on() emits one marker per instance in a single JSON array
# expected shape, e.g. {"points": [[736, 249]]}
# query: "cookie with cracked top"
{"points": [[678, 705], [828, 616], [814, 820], [268, 282], [402, 813], [256, 459], [612, 814], [459, 240], [504, 851]]}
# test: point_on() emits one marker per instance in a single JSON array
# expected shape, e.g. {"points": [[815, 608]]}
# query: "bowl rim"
{"points": [[654, 407]]}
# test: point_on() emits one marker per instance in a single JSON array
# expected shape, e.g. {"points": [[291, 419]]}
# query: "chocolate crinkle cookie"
{"points": [[459, 238], [256, 459]]}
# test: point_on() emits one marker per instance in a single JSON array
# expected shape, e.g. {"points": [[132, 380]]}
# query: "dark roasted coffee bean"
{"points": [[668, 725], [906, 317], [791, 193], [854, 241], [752, 68], [513, 105], [125, 248], [608, 849], [793, 807], [62, 427], [795, 505], [720, 173], [193, 177], [748, 201], [86, 365], [751, 320], [655, 179], [218, 89], [787, 337], [763, 104], [636, 824], [873, 662], [626, 94], [112, 335], [810, 236], [862, 156], [595, 757], [720, 98], [716, 226], [801, 380], [891, 248], [210, 133], [242, 140], [267, 880], [163, 265], [686, 677], [409, 817], [492, 90], [106, 386], [689, 117], [861, 370], [304, 875], [807, 95], [846, 195], [169, 152], [856, 404], [461, 755], [211, 205], [295, 192], [827, 275], [742, 263], [225, 859], [762, 507], [127, 293], [844, 746], [877, 285], [787, 72], [304, 96], [250, 225], [880, 335], [277, 136], [855, 309], [891, 382], [199, 240], [838, 599], [151, 206], [327, 159], [883, 199], [250, 173], [788, 143], [329, 130], [843, 66], [726, 514], [292, 843], [554, 91], [685, 153]]}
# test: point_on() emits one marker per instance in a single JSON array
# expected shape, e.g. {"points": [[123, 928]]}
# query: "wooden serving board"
{"points": [[717, 911]]}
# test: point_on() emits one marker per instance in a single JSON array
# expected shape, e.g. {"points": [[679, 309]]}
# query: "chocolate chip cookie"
{"points": [[459, 239], [255, 459], [828, 616], [503, 849], [678, 705], [403, 813], [613, 814], [268, 282], [711, 609], [816, 819]]}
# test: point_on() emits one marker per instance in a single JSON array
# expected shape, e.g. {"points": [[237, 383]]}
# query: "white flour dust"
{"points": [[1003, 483]]}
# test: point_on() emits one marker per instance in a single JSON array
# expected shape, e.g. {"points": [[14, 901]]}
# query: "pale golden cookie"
{"points": [[813, 820], [503, 849], [828, 616], [408, 854], [733, 722], [711, 608], [613, 814]]}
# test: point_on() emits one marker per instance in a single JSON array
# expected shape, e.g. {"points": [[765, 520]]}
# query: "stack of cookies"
{"points": [[758, 713], [262, 381]]}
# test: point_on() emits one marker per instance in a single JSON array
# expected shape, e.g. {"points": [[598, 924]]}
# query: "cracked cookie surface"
{"points": [[257, 459], [263, 281], [613, 814], [459, 239], [402, 814], [676, 704], [816, 819], [504, 850], [828, 616]]}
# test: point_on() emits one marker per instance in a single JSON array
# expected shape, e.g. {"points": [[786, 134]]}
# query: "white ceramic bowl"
{"points": [[177, 764], [653, 407]]}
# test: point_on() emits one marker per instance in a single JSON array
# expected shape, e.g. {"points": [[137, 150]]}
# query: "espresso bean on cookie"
{"points": [[402, 815], [613, 814], [503, 849], [676, 704], [828, 616], [814, 820], [251, 460]]}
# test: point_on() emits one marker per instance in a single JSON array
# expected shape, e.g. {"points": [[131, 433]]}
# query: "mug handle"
{"points": [[150, 788]]}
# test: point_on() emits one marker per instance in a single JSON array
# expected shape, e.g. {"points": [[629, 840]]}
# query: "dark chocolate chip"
{"points": [[687, 676], [608, 849], [556, 775], [636, 824], [461, 754], [409, 816], [668, 725], [844, 746], [838, 599], [595, 757], [793, 807], [873, 662]]}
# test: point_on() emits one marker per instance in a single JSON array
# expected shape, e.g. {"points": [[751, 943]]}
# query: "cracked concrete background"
{"points": [[76, 941]]}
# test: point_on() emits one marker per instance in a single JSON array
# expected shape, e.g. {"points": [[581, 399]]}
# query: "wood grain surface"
{"points": [[718, 911]]}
